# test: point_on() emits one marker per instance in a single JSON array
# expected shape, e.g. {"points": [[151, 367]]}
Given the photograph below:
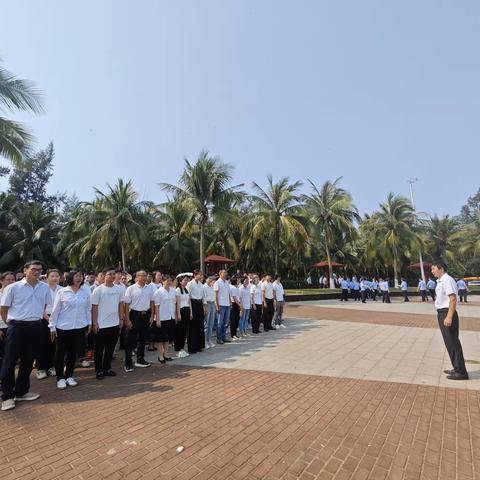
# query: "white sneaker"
{"points": [[8, 404], [28, 397], [274, 327], [41, 374], [283, 326], [85, 363], [52, 372], [71, 382], [182, 354], [207, 346], [212, 345], [61, 384]]}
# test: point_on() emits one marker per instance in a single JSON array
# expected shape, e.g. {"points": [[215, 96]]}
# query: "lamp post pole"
{"points": [[411, 181]]}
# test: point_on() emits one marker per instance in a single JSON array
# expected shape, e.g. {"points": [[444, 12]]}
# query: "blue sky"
{"points": [[373, 91]]}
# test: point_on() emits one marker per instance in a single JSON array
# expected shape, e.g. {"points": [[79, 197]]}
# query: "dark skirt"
{"points": [[164, 333]]}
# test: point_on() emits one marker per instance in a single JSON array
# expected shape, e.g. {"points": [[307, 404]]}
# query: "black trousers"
{"points": [[256, 316], [46, 352], [463, 295], [137, 336], [181, 329], [344, 297], [374, 295], [405, 296], [363, 295], [423, 294], [452, 342], [433, 294], [386, 297], [235, 319], [196, 331], [21, 343], [68, 344], [105, 341], [2, 345], [267, 314]]}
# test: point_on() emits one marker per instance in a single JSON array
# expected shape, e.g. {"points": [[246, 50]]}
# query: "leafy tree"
{"points": [[440, 237], [29, 180], [16, 95], [331, 210], [204, 188], [470, 210]]}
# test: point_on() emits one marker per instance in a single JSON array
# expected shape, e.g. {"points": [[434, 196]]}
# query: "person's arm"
{"points": [[177, 317], [152, 311], [452, 306], [121, 314], [264, 298], [89, 313], [95, 318], [217, 305], [52, 322], [4, 313]]}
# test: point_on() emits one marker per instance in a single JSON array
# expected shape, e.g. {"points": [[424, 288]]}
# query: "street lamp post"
{"points": [[411, 181]]}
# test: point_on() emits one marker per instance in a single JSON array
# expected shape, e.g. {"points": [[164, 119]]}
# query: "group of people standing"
{"points": [[57, 325]]}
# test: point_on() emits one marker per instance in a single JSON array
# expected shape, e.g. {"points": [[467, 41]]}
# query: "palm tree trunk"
{"points": [[124, 267], [330, 268], [202, 251], [395, 267]]}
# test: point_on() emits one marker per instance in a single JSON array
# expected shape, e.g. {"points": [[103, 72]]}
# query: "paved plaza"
{"points": [[345, 391]]}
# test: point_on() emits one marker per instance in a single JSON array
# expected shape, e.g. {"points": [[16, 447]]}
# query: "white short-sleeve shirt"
{"points": [[267, 287], [279, 291], [139, 298], [446, 286], [256, 291], [166, 300], [223, 289], [245, 297], [108, 300], [184, 297]]}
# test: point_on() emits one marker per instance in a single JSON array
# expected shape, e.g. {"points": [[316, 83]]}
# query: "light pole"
{"points": [[411, 181]]}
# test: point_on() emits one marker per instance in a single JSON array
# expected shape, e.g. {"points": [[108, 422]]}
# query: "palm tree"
{"points": [[173, 231], [468, 238], [276, 213], [16, 95], [32, 234], [110, 225], [393, 229], [440, 237], [331, 210], [204, 189]]}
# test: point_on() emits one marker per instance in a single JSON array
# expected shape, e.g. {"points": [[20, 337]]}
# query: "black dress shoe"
{"points": [[110, 373], [458, 376], [162, 361], [168, 359], [449, 372]]}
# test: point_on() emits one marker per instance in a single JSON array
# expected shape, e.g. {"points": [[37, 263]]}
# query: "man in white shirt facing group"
{"points": [[22, 309], [223, 306], [448, 321]]}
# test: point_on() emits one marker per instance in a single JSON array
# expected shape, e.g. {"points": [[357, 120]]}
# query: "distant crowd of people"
{"points": [[62, 319], [363, 288]]}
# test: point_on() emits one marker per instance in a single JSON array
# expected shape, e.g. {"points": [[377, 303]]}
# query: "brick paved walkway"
{"points": [[261, 423], [240, 424]]}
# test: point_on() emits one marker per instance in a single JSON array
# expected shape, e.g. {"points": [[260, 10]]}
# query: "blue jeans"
{"points": [[244, 320], [209, 320], [223, 320]]}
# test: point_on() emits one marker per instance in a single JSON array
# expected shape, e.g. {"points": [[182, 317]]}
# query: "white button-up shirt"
{"points": [[183, 296], [223, 289], [446, 286], [139, 298], [71, 310], [197, 290], [209, 293], [2, 323], [166, 300], [267, 287], [256, 291], [245, 297], [53, 294], [279, 291], [26, 303]]}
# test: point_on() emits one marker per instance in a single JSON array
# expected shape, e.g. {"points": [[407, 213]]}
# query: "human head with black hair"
{"points": [[75, 278], [109, 276], [7, 278], [439, 268], [33, 270]]}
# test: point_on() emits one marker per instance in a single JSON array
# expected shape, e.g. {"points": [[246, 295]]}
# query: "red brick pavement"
{"points": [[378, 318], [239, 424]]}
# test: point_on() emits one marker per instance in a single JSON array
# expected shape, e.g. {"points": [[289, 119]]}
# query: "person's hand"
{"points": [[95, 328], [53, 335], [264, 304], [120, 324], [1, 334], [191, 316], [159, 323], [89, 330], [217, 308], [254, 306], [448, 321], [128, 324], [152, 320]]}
